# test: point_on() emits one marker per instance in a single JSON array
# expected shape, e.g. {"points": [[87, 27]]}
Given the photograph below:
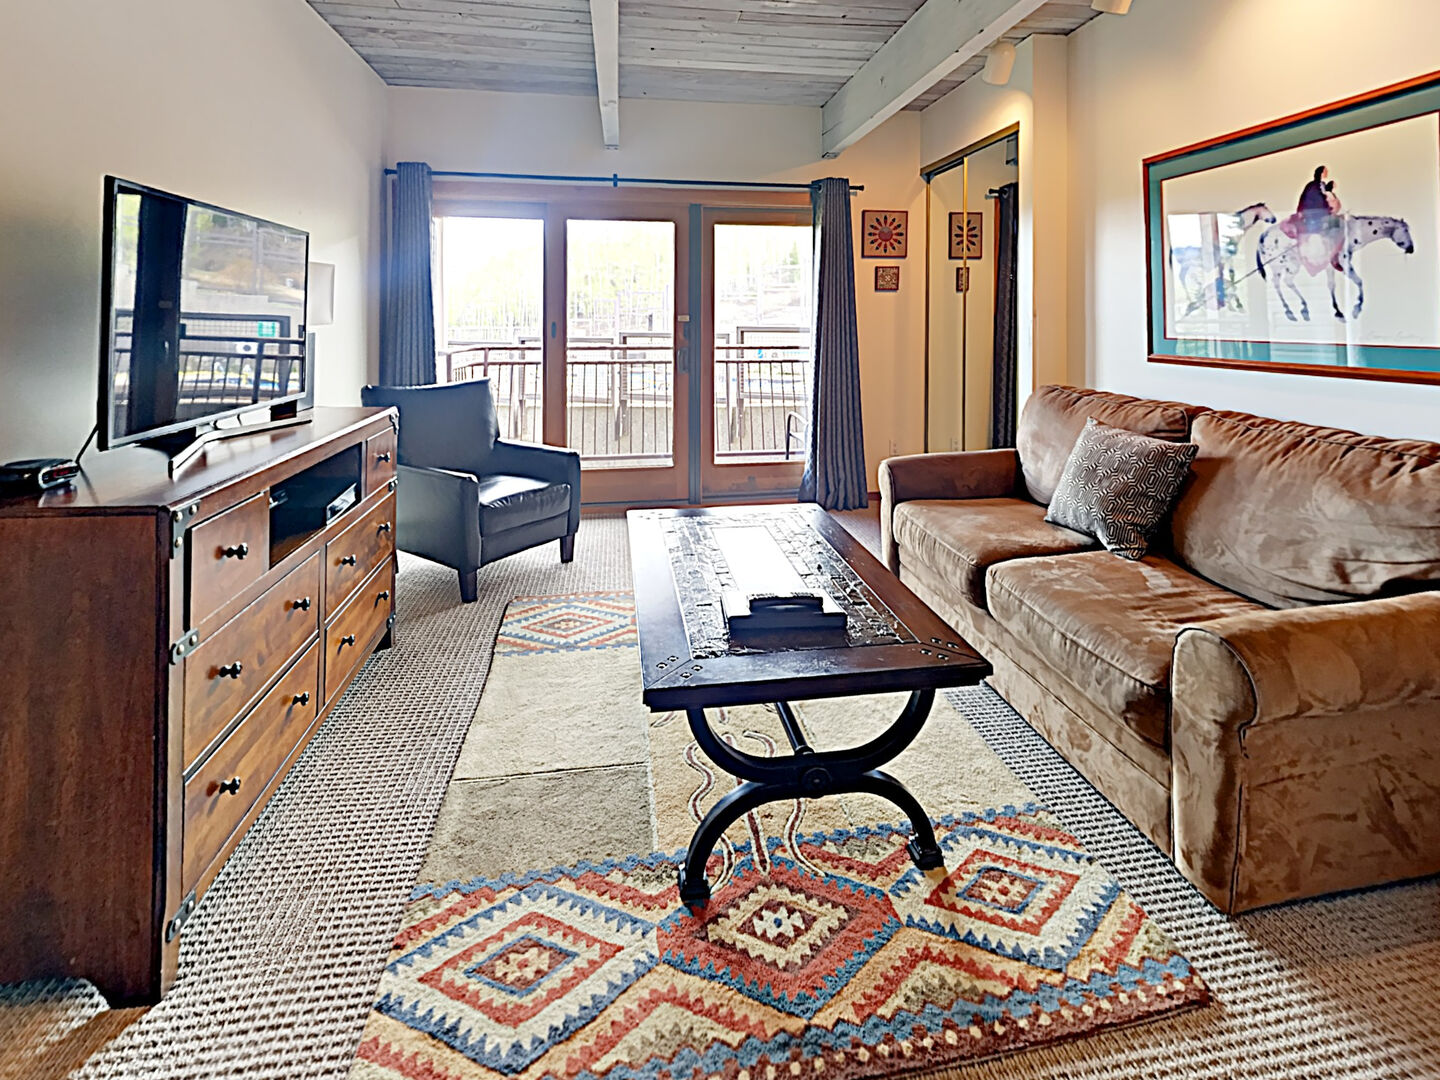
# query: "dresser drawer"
{"points": [[228, 552], [353, 631], [380, 454], [234, 664], [224, 789], [352, 555]]}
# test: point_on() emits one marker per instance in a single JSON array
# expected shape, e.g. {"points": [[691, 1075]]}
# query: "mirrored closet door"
{"points": [[971, 360]]}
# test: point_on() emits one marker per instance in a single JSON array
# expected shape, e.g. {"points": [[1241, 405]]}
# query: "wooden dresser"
{"points": [[168, 648]]}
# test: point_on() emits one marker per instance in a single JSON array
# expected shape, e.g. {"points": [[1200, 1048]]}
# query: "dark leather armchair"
{"points": [[466, 497]]}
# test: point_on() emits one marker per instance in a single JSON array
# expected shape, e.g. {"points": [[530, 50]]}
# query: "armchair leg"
{"points": [[469, 585], [567, 548]]}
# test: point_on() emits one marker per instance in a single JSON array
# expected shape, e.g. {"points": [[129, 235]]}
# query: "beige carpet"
{"points": [[280, 965]]}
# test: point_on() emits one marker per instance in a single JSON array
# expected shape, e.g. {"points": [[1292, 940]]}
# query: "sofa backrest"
{"points": [[1290, 515], [1054, 416]]}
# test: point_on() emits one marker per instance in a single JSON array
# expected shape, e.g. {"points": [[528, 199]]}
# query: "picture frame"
{"points": [[967, 235], [1307, 245], [887, 279], [884, 234]]}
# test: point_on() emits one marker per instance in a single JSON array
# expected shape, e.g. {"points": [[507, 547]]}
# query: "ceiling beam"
{"points": [[605, 27], [936, 40]]}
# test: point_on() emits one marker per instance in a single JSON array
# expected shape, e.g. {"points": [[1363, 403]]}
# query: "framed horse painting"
{"points": [[1308, 245]]}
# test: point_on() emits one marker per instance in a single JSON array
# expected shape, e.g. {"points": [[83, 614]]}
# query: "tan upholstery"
{"points": [[978, 474], [1289, 514], [1055, 415], [1261, 694], [965, 537], [1109, 625], [1306, 748]]}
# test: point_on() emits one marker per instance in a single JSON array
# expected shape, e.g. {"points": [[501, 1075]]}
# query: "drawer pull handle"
{"points": [[383, 594], [348, 639], [303, 699], [229, 671], [229, 787], [383, 527], [239, 551], [347, 560], [303, 604], [385, 456]]}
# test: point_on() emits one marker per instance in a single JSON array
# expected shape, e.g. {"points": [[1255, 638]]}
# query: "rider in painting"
{"points": [[1317, 226]]}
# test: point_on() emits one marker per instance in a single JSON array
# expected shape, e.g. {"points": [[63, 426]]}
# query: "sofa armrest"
{"points": [[1273, 697], [437, 515], [967, 474], [552, 464]]}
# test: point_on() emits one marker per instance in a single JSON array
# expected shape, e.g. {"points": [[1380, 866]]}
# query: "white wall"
{"points": [[1174, 72], [257, 106], [532, 133]]}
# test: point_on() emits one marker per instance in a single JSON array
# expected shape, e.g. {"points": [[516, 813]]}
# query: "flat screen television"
{"points": [[202, 314]]}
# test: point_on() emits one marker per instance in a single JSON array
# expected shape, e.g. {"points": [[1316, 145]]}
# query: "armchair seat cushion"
{"points": [[509, 502], [962, 538], [1109, 625]]}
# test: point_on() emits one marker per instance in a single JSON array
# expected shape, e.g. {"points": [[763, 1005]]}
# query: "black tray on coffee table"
{"points": [[891, 642]]}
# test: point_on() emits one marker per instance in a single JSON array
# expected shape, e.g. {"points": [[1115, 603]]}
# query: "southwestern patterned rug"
{"points": [[823, 952]]}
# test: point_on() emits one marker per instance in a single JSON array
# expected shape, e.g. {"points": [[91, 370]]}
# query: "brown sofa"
{"points": [[1261, 693]]}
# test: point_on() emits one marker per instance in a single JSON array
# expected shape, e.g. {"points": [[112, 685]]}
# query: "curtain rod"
{"points": [[615, 180]]}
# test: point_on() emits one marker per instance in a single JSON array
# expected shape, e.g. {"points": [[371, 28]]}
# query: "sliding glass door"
{"points": [[578, 309], [624, 287], [755, 372]]}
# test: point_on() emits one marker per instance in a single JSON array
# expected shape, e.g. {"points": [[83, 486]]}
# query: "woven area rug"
{"points": [[823, 951]]}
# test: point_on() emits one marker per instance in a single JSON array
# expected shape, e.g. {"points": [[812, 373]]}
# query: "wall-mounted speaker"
{"points": [[308, 401]]}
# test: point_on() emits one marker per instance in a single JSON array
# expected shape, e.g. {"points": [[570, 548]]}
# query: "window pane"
{"points": [[493, 292], [620, 355], [764, 278]]}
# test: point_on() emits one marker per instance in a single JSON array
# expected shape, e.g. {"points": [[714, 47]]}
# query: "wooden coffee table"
{"points": [[891, 642]]}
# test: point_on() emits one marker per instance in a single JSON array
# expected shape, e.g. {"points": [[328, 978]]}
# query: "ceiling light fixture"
{"points": [[998, 63], [1111, 7]]}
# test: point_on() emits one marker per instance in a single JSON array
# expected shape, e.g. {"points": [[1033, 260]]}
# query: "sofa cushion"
{"points": [[1054, 415], [1290, 514], [508, 502], [1108, 625], [961, 538]]}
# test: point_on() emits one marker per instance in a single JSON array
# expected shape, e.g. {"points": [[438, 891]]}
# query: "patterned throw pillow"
{"points": [[1118, 485]]}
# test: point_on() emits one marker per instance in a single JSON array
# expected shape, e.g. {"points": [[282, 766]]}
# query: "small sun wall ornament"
{"points": [[884, 234]]}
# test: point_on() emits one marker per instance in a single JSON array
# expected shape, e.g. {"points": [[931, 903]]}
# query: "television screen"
{"points": [[204, 313]]}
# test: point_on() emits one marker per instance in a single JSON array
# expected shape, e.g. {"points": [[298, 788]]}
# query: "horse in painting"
{"points": [[1280, 259]]}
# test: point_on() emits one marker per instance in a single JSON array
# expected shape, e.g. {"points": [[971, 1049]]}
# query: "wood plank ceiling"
{"points": [[787, 52]]}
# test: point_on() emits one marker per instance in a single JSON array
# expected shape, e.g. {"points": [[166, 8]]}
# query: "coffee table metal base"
{"points": [[807, 774]]}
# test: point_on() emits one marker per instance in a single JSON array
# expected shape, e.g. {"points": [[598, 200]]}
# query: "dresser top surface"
{"points": [[135, 478]]}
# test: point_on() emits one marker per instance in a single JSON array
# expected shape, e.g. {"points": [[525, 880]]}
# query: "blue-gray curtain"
{"points": [[407, 337], [835, 457], [1005, 374]]}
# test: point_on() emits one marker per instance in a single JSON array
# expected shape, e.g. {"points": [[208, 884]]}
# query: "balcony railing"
{"points": [[620, 399], [762, 402]]}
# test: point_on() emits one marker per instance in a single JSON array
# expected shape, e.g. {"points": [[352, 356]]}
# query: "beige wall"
{"points": [[257, 106], [491, 132], [1172, 73]]}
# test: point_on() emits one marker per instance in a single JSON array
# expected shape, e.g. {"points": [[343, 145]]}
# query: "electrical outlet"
{"points": [[893, 450], [954, 443]]}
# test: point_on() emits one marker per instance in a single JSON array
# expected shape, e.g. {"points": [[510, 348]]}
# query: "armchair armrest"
{"points": [[553, 464], [967, 474], [1332, 712], [437, 514]]}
